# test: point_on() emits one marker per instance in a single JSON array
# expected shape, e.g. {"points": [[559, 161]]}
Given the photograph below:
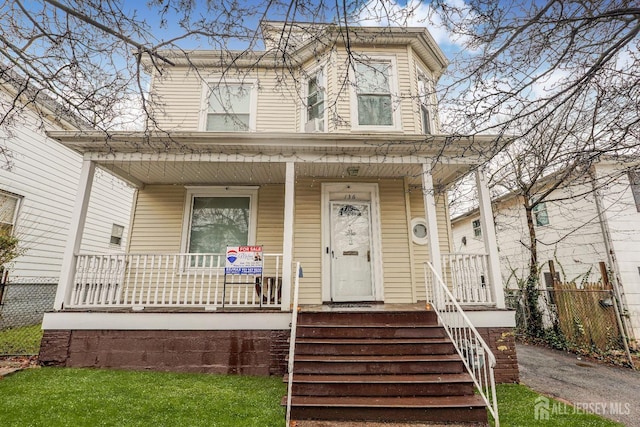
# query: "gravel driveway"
{"points": [[589, 386]]}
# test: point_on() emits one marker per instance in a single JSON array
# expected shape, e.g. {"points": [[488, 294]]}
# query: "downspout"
{"points": [[611, 260]]}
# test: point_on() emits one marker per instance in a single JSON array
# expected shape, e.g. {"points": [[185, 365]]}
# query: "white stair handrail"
{"points": [[474, 351], [292, 343]]}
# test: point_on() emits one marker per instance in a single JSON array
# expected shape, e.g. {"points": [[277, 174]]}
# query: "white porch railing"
{"points": [[292, 343], [468, 275], [474, 351], [130, 280]]}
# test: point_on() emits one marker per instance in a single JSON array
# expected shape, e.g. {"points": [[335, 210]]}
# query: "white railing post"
{"points": [[428, 194], [490, 240], [76, 227], [287, 247], [476, 355], [292, 344]]}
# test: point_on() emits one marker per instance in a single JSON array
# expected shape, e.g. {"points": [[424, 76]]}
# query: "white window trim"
{"points": [[395, 99], [229, 191], [430, 103], [16, 210], [206, 93], [305, 94]]}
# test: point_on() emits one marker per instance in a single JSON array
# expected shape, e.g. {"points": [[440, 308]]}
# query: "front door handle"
{"points": [[369, 256]]}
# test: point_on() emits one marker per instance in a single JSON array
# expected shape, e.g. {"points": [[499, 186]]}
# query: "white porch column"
{"points": [[287, 246], [428, 193], [489, 236], [76, 227]]}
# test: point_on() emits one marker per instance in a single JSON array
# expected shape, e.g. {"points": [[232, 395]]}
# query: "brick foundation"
{"points": [[503, 344], [246, 352]]}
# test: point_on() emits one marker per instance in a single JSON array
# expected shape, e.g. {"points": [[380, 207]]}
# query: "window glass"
{"points": [[8, 205], [229, 108], [425, 89], [116, 234], [540, 214], [477, 231], [218, 222], [374, 94]]}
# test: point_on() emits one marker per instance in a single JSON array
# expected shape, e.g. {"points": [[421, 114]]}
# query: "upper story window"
{"points": [[425, 93], [9, 205], [231, 107], [374, 89], [634, 181], [477, 230], [540, 214], [315, 102]]}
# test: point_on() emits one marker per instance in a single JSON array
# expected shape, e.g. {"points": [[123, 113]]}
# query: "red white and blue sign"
{"points": [[243, 260]]}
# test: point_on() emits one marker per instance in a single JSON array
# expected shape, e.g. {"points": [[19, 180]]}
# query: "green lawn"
{"points": [[516, 406], [93, 397], [23, 340], [88, 397]]}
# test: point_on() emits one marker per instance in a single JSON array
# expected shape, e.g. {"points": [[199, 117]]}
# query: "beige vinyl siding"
{"points": [[421, 252], [395, 242], [270, 226], [308, 240], [181, 99], [157, 221]]}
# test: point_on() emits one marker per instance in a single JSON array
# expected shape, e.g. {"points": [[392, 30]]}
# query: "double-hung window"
{"points": [[540, 214], [315, 102], [9, 205], [425, 92], [230, 107], [374, 86], [218, 217], [477, 228]]}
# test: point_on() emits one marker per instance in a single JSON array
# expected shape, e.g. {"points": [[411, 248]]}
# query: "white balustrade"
{"points": [[129, 280], [468, 276]]}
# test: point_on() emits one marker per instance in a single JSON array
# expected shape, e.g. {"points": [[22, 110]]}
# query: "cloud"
{"points": [[415, 13]]}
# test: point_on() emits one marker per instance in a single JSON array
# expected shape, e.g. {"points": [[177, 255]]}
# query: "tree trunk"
{"points": [[531, 292]]}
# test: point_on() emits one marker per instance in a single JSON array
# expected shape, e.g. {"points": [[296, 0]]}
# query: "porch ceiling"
{"points": [[202, 173], [242, 158]]}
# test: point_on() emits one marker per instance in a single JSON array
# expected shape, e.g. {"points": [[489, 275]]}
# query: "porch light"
{"points": [[353, 171]]}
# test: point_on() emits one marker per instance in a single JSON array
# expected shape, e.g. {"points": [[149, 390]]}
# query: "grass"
{"points": [[87, 397], [22, 340], [516, 406], [93, 397]]}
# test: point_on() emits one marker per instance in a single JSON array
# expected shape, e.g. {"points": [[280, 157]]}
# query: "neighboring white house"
{"points": [[579, 227], [38, 185]]}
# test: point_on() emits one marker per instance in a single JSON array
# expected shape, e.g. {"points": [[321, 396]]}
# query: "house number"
{"points": [[350, 197]]}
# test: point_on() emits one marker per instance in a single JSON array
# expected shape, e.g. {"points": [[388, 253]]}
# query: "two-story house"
{"points": [[331, 159], [38, 183], [594, 219]]}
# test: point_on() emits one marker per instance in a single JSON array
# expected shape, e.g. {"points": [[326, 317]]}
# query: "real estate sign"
{"points": [[243, 260]]}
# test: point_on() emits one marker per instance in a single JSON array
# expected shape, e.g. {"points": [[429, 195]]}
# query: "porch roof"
{"points": [[198, 157]]}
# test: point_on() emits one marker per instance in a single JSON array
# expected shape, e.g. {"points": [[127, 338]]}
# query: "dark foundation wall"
{"points": [[245, 352], [502, 342]]}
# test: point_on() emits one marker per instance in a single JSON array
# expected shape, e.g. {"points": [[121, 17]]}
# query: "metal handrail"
{"points": [[292, 342], [474, 351]]}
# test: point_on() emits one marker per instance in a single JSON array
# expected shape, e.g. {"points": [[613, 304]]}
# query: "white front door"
{"points": [[351, 251]]}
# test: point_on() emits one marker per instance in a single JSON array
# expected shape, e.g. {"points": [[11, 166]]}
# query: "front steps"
{"points": [[384, 366]]}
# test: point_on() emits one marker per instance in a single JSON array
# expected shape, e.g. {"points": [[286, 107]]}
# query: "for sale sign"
{"points": [[244, 260]]}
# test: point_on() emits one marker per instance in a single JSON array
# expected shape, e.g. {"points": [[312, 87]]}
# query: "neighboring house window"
{"points": [[477, 231], [425, 91], [230, 107], [634, 180], [219, 217], [8, 212], [315, 102], [374, 86], [116, 234], [540, 214]]}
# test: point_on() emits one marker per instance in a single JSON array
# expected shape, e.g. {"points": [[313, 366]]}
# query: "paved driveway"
{"points": [[606, 390]]}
